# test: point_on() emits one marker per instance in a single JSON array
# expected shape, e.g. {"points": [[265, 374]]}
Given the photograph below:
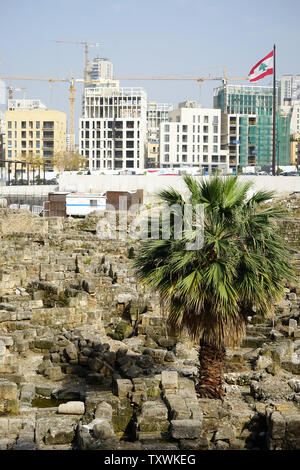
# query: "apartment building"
{"points": [[113, 127], [192, 138], [2, 137], [156, 113], [290, 89], [33, 130], [100, 68], [247, 126], [295, 149], [153, 154]]}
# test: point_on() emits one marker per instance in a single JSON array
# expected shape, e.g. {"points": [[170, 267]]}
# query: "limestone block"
{"points": [[104, 411], [9, 403], [71, 408], [153, 410], [225, 432], [158, 355], [277, 425], [71, 351], [293, 425], [186, 429], [56, 429], [102, 429], [169, 380], [124, 386]]}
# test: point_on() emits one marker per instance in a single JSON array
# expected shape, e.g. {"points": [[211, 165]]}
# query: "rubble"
{"points": [[86, 360]]}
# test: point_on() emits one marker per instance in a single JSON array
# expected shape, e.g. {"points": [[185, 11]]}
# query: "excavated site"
{"points": [[86, 361]]}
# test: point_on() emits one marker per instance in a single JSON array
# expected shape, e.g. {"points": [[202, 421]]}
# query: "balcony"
{"points": [[48, 144], [48, 135], [48, 126]]}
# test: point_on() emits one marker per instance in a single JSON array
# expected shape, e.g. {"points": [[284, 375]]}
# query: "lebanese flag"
{"points": [[262, 68]]}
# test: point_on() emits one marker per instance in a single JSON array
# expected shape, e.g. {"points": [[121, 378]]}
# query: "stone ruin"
{"points": [[87, 362]]}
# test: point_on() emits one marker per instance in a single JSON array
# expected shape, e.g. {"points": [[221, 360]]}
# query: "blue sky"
{"points": [[146, 38]]}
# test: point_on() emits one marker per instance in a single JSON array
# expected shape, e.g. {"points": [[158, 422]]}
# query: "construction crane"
{"points": [[74, 81], [86, 51]]}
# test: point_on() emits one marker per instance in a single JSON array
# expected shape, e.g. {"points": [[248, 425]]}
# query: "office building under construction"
{"points": [[247, 126]]}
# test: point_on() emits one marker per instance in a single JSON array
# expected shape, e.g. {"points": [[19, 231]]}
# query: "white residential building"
{"points": [[113, 127], [192, 138], [100, 68], [156, 113], [26, 105], [290, 89], [295, 118]]}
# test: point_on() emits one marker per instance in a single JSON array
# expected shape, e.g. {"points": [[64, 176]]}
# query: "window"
{"points": [[205, 129], [9, 134], [37, 134], [9, 124], [167, 148], [215, 119], [215, 158], [93, 202], [166, 157], [215, 129], [38, 145], [167, 128], [205, 119], [167, 138], [23, 124], [215, 139], [215, 148]]}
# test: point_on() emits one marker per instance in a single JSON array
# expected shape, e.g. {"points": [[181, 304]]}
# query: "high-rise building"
{"points": [[247, 126], [100, 68], [295, 118], [113, 127], [290, 89], [33, 130], [156, 113], [192, 138]]}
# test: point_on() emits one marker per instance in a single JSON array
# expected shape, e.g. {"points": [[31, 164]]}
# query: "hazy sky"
{"points": [[146, 38]]}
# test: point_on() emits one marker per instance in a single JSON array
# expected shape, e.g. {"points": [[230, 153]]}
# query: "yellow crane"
{"points": [[86, 51]]}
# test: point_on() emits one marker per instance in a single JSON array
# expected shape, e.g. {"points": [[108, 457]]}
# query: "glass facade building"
{"points": [[247, 125]]}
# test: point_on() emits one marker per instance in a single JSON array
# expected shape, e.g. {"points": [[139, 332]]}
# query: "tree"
{"points": [[33, 162], [241, 268], [68, 161]]}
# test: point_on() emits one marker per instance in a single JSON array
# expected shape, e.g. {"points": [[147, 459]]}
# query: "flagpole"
{"points": [[274, 113]]}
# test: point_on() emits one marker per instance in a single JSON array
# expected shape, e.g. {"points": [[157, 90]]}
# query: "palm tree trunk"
{"points": [[210, 371]]}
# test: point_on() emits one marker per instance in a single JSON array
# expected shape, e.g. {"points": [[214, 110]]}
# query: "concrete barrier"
{"points": [[151, 184]]}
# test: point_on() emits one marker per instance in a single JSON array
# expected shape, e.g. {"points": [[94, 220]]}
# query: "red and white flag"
{"points": [[264, 67]]}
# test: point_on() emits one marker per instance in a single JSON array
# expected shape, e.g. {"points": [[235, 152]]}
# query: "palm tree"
{"points": [[242, 267]]}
